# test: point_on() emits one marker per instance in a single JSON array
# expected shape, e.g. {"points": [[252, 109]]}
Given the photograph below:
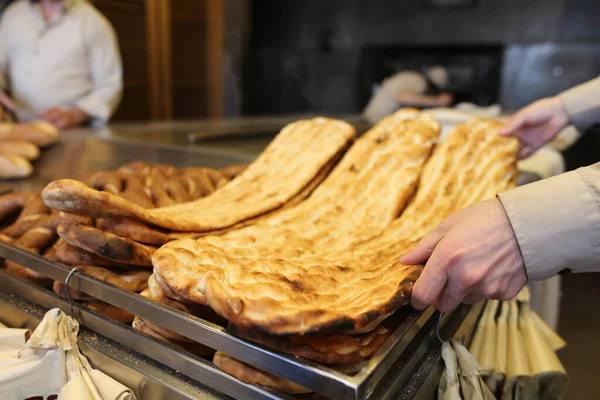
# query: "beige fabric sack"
{"points": [[50, 364]]}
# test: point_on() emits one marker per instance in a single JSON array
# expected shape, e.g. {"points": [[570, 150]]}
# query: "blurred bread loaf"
{"points": [[13, 166], [39, 133], [21, 148]]}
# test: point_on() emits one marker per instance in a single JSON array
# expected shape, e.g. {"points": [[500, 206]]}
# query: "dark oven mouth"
{"points": [[474, 71]]}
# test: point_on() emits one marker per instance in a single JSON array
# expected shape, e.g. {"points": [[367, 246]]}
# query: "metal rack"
{"points": [[409, 340], [380, 377]]}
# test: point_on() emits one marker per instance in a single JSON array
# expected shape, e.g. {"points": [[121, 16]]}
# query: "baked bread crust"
{"points": [[39, 133], [249, 374], [109, 311], [13, 203], [33, 210], [331, 349], [284, 169], [353, 204], [344, 289], [13, 166], [22, 148], [106, 245], [71, 255]]}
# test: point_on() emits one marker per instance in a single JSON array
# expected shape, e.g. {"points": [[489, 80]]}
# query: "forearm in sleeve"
{"points": [[102, 102], [107, 74], [557, 222], [582, 104]]}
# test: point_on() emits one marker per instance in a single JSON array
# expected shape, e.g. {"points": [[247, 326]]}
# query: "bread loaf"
{"points": [[13, 166], [40, 133], [21, 148]]}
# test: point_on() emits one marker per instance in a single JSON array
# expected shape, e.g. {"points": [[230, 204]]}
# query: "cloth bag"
{"points": [[517, 352], [50, 366], [461, 378]]}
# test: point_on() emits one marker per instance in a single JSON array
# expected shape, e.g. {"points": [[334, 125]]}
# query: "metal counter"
{"points": [[390, 374], [84, 151]]}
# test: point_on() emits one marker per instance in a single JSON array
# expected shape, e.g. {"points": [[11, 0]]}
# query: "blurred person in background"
{"points": [[409, 89], [59, 62]]}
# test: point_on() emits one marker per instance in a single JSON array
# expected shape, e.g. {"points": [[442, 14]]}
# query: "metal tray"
{"points": [[79, 155], [416, 328], [148, 379]]}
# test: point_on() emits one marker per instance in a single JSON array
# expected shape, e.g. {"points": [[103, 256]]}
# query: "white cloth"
{"points": [[71, 61], [13, 338], [51, 365], [107, 388]]}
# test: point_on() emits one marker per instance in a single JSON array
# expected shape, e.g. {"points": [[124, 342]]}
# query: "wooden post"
{"points": [[215, 46], [158, 20]]}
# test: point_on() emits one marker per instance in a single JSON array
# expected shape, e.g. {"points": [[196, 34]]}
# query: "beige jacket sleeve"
{"points": [[582, 103], [557, 222]]}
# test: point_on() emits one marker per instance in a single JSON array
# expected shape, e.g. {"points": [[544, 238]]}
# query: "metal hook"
{"points": [[68, 292], [438, 327]]}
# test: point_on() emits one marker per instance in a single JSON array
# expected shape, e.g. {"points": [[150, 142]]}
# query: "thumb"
{"points": [[432, 280], [423, 250]]}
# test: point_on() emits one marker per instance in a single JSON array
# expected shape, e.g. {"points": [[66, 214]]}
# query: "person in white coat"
{"points": [[60, 62]]}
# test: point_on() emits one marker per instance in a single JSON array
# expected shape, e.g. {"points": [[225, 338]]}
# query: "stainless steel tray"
{"points": [[416, 327], [79, 155]]}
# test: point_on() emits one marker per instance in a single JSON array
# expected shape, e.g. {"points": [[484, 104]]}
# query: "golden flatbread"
{"points": [[354, 203], [347, 288], [289, 163]]}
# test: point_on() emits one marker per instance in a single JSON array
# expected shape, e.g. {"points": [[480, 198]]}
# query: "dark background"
{"points": [[306, 55]]}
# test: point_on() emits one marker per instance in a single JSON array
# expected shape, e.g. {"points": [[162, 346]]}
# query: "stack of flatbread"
{"points": [[102, 248], [20, 144], [314, 276], [302, 282], [356, 192], [311, 148]]}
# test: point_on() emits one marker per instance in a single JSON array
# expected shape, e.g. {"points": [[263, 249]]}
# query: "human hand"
{"points": [[423, 100], [471, 256], [445, 99], [536, 124], [64, 118], [7, 102]]}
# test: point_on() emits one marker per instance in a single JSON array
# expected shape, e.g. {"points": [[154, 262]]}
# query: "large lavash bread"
{"points": [[349, 289], [289, 163], [354, 203]]}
